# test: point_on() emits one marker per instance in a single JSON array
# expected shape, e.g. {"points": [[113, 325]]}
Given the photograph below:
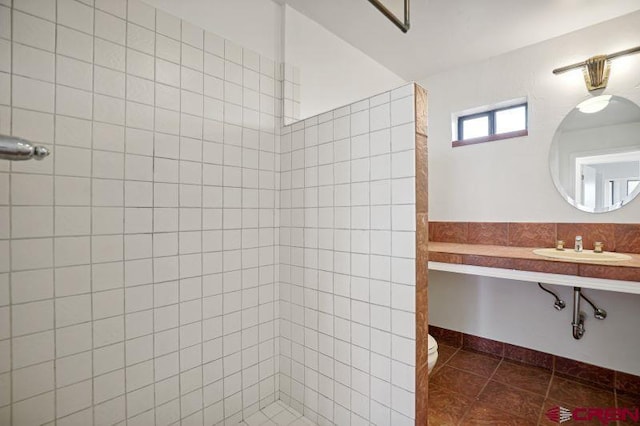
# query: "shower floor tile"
{"points": [[472, 388], [277, 414]]}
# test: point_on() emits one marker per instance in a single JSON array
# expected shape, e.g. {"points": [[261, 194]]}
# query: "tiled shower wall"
{"points": [[347, 263], [137, 263]]}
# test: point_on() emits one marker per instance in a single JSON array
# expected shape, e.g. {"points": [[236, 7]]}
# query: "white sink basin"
{"points": [[585, 255]]}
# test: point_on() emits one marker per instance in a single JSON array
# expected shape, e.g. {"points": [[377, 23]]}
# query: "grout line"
{"points": [[10, 214], [53, 255], [180, 213], [91, 224], [223, 229], [153, 202], [546, 395], [241, 249], [124, 197], [202, 210]]}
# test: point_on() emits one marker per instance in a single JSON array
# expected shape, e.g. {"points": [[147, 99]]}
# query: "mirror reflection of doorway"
{"points": [[589, 176], [607, 179]]}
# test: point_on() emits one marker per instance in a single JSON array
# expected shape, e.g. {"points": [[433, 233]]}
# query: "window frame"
{"points": [[492, 136]]}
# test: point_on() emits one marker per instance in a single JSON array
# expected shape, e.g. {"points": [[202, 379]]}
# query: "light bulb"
{"points": [[593, 105]]}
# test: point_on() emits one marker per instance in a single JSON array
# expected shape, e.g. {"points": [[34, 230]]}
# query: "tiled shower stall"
{"points": [[347, 263], [181, 257]]}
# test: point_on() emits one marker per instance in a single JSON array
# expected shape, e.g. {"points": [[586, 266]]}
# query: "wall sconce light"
{"points": [[596, 69]]}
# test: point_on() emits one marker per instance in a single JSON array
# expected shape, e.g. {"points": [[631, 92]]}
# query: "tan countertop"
{"points": [[523, 258]]}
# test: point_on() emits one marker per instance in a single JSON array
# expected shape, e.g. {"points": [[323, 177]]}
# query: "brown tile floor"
{"points": [[471, 388]]}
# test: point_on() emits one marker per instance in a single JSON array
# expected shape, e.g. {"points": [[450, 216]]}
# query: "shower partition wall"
{"points": [[348, 261]]}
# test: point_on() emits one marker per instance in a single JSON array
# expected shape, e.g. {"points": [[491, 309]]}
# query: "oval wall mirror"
{"points": [[595, 154]]}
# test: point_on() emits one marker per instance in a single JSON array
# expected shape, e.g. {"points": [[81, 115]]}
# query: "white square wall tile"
{"points": [[72, 340], [24, 189], [74, 102], [74, 73], [73, 310], [30, 286], [115, 7], [33, 94], [5, 328], [31, 381], [26, 253], [140, 90], [110, 27], [109, 82], [30, 222], [72, 280], [380, 117], [108, 386], [192, 35], [75, 44], [45, 9], [402, 111], [404, 218], [232, 52], [251, 60], [5, 22], [34, 63], [141, 39], [76, 15], [73, 161], [74, 398], [214, 44], [167, 73], [5, 59], [168, 48], [33, 31], [213, 65], [140, 64], [110, 55], [168, 25], [403, 164], [192, 57], [35, 126], [110, 412], [73, 369], [141, 14], [32, 349], [37, 410], [72, 251], [82, 417], [73, 131]]}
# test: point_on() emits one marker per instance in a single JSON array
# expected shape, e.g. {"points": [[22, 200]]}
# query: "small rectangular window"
{"points": [[476, 126], [495, 124]]}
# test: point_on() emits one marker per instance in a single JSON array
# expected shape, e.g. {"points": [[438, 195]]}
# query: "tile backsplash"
{"points": [[619, 237], [138, 263]]}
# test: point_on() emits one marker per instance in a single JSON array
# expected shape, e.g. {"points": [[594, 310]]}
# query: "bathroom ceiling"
{"points": [[450, 33]]}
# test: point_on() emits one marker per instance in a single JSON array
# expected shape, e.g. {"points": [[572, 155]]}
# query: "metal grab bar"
{"points": [[17, 149]]}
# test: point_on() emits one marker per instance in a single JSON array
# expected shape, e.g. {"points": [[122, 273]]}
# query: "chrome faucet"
{"points": [[578, 246]]}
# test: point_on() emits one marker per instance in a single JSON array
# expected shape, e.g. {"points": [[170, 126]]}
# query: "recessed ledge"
{"points": [[520, 263], [541, 277]]}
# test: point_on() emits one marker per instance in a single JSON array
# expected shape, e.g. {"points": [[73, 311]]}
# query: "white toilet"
{"points": [[432, 352]]}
